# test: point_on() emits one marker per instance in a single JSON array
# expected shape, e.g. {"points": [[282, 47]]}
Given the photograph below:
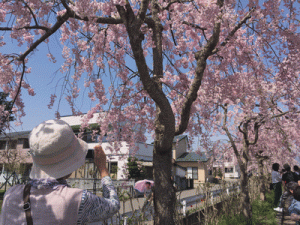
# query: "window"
{"points": [[24, 142], [90, 154], [229, 170], [113, 169], [2, 145], [88, 138], [192, 173], [209, 172], [12, 144]]}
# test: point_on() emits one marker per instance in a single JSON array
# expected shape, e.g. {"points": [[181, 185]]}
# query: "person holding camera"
{"points": [[47, 199]]}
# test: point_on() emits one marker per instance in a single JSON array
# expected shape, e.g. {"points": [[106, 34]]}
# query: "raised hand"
{"points": [[100, 160]]}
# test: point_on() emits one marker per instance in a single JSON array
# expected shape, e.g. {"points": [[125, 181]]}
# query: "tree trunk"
{"points": [[245, 199], [164, 195], [261, 181]]}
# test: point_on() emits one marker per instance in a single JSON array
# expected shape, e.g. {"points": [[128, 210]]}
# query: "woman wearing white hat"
{"points": [[47, 199]]}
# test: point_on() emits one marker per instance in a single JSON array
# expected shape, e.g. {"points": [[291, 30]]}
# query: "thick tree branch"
{"points": [[258, 121], [152, 87], [143, 9], [261, 157], [20, 84], [26, 27], [60, 21], [174, 1], [239, 127], [194, 26], [224, 127], [256, 129], [245, 132], [234, 30], [201, 58], [102, 20], [31, 12]]}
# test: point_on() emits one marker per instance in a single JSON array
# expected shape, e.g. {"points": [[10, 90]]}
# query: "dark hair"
{"points": [[275, 167], [148, 183], [296, 168], [291, 185], [296, 193], [287, 167]]}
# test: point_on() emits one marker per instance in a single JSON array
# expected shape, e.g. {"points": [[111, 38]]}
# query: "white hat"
{"points": [[55, 150]]}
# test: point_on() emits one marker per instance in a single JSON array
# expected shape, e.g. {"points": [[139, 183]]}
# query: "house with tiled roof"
{"points": [[117, 153], [186, 165], [14, 154], [196, 167], [194, 164], [14, 148]]}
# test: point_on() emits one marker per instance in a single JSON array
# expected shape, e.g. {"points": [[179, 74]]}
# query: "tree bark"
{"points": [[245, 199], [164, 195], [242, 159], [261, 180]]}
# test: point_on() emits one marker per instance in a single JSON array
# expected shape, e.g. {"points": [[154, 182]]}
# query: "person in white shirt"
{"points": [[276, 182]]}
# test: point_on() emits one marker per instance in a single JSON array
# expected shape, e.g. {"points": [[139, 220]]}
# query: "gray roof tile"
{"points": [[192, 157]]}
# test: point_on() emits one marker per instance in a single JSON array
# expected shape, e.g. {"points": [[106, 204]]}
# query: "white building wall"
{"points": [[180, 172], [77, 120], [180, 148], [120, 153], [235, 173]]}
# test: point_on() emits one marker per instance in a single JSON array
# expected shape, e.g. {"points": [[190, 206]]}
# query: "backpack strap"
{"points": [[27, 206]]}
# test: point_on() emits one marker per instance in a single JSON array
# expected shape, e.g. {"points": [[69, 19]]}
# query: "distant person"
{"points": [[276, 182], [47, 199], [174, 184], [148, 194], [297, 172], [294, 208], [288, 176], [287, 198]]}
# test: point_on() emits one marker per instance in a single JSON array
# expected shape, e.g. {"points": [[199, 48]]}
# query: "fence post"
{"points": [[183, 207], [125, 220]]}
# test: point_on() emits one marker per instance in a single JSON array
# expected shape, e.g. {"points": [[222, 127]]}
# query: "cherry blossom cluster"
{"points": [[253, 72]]}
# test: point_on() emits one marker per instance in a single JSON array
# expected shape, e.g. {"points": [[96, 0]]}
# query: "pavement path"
{"points": [[286, 220]]}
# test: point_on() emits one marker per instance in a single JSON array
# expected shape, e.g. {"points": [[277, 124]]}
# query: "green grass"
{"points": [[1, 194], [263, 214]]}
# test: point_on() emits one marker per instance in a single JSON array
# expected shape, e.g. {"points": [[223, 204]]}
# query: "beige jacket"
{"points": [[48, 206]]}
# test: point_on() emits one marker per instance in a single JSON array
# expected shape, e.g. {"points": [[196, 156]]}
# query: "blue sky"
{"points": [[43, 79]]}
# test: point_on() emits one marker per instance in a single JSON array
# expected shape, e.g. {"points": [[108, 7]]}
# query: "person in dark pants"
{"points": [[276, 181]]}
